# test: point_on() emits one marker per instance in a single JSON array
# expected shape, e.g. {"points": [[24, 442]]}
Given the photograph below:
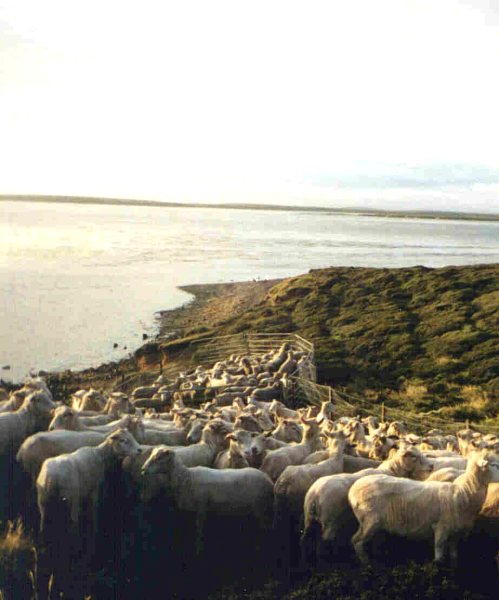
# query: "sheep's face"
{"points": [[416, 464], [162, 460], [251, 444], [215, 433], [64, 418], [39, 404], [249, 423], [195, 431], [123, 443], [488, 464], [289, 431]]}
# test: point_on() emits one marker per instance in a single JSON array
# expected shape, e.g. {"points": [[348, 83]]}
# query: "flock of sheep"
{"points": [[306, 474]]}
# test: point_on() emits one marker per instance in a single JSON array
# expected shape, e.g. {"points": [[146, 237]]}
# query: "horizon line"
{"points": [[361, 211]]}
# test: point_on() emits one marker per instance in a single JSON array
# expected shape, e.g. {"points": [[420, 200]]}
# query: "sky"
{"points": [[386, 103]]}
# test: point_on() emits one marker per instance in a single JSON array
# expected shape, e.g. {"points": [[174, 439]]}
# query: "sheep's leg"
{"points": [[453, 546], [441, 538], [200, 521], [365, 533]]}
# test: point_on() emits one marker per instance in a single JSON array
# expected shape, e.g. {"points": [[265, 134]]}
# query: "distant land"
{"points": [[369, 212]]}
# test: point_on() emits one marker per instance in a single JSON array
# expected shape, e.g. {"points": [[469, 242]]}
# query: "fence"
{"points": [[207, 351], [302, 389], [347, 404]]}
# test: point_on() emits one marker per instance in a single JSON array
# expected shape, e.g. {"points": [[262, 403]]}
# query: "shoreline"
{"points": [[211, 304], [347, 211]]}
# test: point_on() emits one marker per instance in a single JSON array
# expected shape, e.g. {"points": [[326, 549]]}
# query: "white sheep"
{"points": [[420, 509], [277, 460], [72, 479], [203, 491], [326, 502], [33, 416]]}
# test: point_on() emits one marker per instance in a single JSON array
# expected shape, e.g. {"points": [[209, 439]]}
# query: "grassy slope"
{"points": [[428, 338]]}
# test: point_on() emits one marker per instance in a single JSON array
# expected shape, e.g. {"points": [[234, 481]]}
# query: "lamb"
{"points": [[33, 416], [202, 491], [326, 502], [72, 479], [416, 509], [277, 460]]}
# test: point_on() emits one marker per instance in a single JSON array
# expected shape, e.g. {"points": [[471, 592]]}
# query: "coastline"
{"points": [[211, 304], [355, 211]]}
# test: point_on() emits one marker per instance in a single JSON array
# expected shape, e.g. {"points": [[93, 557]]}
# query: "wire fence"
{"points": [[302, 388]]}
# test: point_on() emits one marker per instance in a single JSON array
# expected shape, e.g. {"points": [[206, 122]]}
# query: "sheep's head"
{"points": [[64, 418], [251, 444], [415, 464], [123, 443], [215, 433], [161, 460], [288, 430], [195, 430], [487, 463], [39, 404]]}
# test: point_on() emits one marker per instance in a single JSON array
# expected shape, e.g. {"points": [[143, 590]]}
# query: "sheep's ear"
{"points": [[482, 463], [231, 436]]}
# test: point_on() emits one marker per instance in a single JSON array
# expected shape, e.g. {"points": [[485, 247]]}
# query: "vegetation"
{"points": [[417, 338]]}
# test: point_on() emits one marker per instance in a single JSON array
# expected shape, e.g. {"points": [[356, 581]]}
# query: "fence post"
{"points": [[383, 413]]}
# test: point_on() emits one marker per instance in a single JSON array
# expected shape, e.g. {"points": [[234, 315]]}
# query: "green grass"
{"points": [[377, 330]]}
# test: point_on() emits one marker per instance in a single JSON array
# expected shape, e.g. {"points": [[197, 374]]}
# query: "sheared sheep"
{"points": [[72, 479], [277, 460], [203, 491], [419, 509], [326, 502]]}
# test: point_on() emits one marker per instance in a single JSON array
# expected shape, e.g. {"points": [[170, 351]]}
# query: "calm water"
{"points": [[76, 279]]}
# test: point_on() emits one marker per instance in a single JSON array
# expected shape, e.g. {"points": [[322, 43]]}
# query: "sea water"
{"points": [[77, 279]]}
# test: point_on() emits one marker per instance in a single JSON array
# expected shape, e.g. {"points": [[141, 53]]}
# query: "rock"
{"points": [[6, 368], [115, 345]]}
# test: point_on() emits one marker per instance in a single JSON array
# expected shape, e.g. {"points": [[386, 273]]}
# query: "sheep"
{"points": [[251, 444], [490, 507], [445, 474], [33, 416], [294, 482], [226, 492], [280, 410], [213, 441], [288, 431], [420, 509], [66, 418], [352, 464], [84, 400], [14, 402], [289, 366], [457, 462], [277, 460], [326, 502], [232, 458], [268, 393], [72, 479]]}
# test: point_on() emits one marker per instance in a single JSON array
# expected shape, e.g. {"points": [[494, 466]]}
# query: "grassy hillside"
{"points": [[428, 338]]}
